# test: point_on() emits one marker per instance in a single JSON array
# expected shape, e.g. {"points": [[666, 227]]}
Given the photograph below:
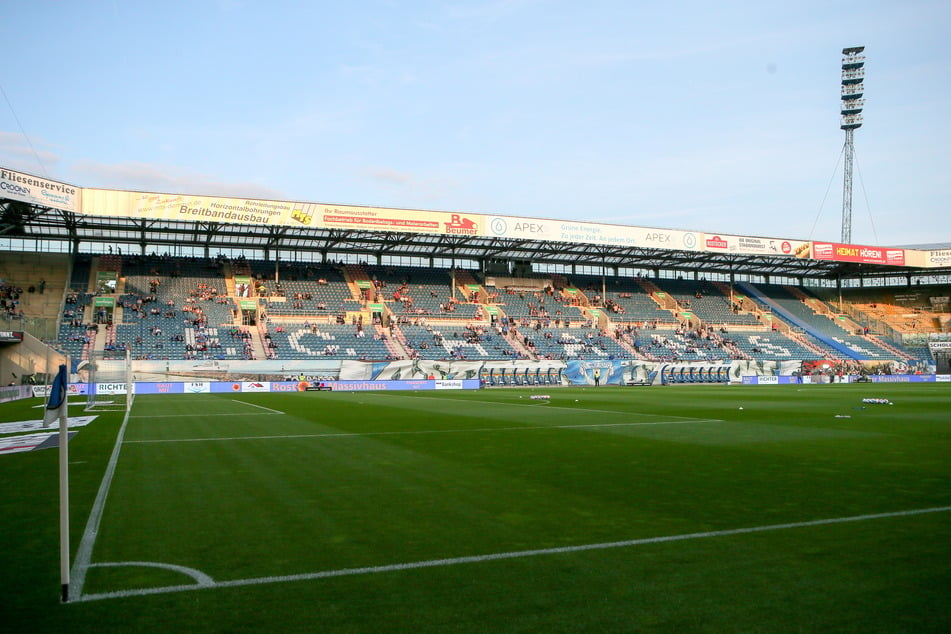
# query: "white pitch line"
{"points": [[530, 404], [429, 431], [199, 415], [74, 404], [80, 565], [258, 406], [456, 561], [200, 578]]}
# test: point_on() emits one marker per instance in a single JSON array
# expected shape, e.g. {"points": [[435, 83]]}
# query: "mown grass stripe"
{"points": [[473, 559], [427, 431]]}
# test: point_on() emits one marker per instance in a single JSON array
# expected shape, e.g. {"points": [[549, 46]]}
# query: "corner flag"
{"points": [[56, 408]]}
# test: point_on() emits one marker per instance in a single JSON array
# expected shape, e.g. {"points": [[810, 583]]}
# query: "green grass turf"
{"points": [[348, 480]]}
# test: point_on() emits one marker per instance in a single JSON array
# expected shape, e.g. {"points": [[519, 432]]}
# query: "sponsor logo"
{"points": [[287, 386], [866, 253], [690, 240], [13, 188], [198, 387], [823, 250], [41, 390], [786, 247], [716, 242], [460, 226], [895, 256], [768, 380], [529, 227], [254, 386], [658, 237], [498, 226], [301, 216], [939, 258], [448, 385], [110, 388]]}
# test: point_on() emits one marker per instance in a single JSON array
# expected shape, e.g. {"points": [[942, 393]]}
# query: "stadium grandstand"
{"points": [[293, 286]]}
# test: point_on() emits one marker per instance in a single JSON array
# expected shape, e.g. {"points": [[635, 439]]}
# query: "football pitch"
{"points": [[689, 508]]}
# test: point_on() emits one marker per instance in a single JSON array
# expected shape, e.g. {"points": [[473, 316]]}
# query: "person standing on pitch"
{"points": [[597, 377]]}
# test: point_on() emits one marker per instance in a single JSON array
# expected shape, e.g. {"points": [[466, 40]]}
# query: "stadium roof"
{"points": [[36, 208], [24, 220]]}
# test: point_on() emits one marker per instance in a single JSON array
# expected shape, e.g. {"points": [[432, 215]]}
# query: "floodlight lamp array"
{"points": [[853, 76]]}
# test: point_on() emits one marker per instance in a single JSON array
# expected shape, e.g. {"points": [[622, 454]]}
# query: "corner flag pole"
{"points": [[56, 407], [64, 498]]}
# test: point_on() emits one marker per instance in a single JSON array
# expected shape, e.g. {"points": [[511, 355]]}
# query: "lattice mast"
{"points": [[853, 76]]}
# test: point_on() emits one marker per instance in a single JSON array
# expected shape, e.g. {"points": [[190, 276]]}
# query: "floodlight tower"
{"points": [[853, 74]]}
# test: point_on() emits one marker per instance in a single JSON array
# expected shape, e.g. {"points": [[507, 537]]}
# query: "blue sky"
{"points": [[719, 117]]}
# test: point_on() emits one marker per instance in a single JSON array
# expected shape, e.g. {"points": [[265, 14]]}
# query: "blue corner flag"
{"points": [[56, 405]]}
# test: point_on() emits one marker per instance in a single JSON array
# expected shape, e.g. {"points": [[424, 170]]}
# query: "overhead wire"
{"points": [[826, 195], [39, 161], [867, 206]]}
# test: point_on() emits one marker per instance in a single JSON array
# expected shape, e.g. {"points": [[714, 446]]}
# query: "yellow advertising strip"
{"points": [[245, 211], [109, 202], [253, 212]]}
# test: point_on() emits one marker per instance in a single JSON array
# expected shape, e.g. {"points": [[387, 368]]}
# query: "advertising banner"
{"points": [[150, 387], [38, 191], [589, 233], [108, 202], [180, 207], [111, 389], [938, 258], [381, 219], [857, 253], [902, 378], [776, 380], [722, 243]]}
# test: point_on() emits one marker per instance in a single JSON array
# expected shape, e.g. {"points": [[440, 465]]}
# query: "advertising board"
{"points": [[590, 233], [257, 212], [857, 253], [938, 258], [723, 243], [38, 191]]}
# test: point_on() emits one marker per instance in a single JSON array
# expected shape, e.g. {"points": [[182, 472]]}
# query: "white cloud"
{"points": [[412, 189], [28, 155], [160, 178]]}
